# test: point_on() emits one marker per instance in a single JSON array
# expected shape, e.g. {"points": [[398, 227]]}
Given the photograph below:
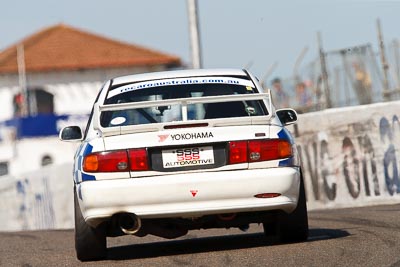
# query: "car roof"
{"points": [[177, 74]]}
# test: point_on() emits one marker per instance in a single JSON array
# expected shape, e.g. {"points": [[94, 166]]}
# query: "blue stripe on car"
{"points": [[80, 175], [283, 134], [88, 150], [286, 162], [80, 163], [87, 177]]}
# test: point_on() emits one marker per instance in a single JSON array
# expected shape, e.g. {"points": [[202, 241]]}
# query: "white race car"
{"points": [[164, 153]]}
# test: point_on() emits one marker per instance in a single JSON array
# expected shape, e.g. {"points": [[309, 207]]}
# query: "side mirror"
{"points": [[287, 116], [71, 133]]}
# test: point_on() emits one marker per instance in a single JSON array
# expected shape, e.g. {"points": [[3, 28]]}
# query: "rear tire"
{"points": [[291, 227], [90, 243]]}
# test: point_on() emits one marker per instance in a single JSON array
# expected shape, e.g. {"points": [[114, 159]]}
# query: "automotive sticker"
{"points": [[179, 81], [182, 157]]}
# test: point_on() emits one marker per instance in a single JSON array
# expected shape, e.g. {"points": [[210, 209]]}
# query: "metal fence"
{"points": [[354, 77]]}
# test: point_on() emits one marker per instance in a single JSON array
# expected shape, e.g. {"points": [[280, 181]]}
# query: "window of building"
{"points": [[38, 102]]}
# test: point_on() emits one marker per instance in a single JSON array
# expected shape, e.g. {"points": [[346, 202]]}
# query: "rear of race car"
{"points": [[200, 175], [177, 154]]}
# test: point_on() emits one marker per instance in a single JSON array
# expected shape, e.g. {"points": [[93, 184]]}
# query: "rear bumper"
{"points": [[190, 195]]}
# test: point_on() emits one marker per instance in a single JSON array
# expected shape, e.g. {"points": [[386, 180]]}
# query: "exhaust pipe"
{"points": [[129, 223]]}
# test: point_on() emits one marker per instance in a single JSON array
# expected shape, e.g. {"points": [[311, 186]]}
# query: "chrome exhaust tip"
{"points": [[129, 223]]}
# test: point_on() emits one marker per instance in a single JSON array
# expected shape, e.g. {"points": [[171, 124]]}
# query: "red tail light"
{"points": [[237, 152], [138, 159], [270, 149], [111, 161], [116, 161], [259, 150]]}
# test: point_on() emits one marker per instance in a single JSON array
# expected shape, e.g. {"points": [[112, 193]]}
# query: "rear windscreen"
{"points": [[161, 114]]}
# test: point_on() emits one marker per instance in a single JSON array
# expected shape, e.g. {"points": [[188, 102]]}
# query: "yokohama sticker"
{"points": [[190, 136], [185, 136]]}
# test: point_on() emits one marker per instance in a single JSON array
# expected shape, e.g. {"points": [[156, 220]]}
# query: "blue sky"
{"points": [[233, 33]]}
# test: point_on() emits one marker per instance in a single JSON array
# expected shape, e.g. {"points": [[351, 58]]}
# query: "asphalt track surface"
{"points": [[346, 237]]}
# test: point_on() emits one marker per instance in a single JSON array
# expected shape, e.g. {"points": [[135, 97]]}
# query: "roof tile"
{"points": [[62, 47]]}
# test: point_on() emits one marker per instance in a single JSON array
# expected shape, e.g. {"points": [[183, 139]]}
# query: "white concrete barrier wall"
{"points": [[37, 200], [350, 158]]}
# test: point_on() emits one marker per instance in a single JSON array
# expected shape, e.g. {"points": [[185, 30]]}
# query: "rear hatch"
{"points": [[183, 124]]}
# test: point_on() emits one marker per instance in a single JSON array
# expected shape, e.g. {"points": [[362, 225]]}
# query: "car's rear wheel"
{"points": [[90, 243], [291, 227]]}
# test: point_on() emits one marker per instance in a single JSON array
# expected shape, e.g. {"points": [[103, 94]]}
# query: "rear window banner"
{"points": [[179, 81]]}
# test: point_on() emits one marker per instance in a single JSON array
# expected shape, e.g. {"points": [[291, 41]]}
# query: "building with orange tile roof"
{"points": [[65, 67], [71, 64], [64, 48]]}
